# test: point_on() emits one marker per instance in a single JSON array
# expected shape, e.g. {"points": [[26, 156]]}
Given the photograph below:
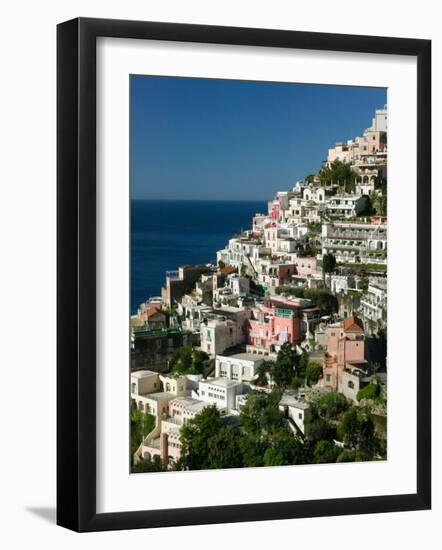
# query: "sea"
{"points": [[167, 234]]}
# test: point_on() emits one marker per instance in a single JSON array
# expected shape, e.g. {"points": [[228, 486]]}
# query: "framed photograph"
{"points": [[244, 254]]}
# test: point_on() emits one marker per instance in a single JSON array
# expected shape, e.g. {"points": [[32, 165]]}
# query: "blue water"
{"points": [[167, 234]]}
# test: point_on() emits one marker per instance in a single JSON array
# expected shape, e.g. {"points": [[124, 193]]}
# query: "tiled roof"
{"points": [[152, 311], [228, 269], [353, 324]]}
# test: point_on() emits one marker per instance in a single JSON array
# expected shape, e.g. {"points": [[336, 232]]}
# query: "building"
{"points": [[226, 329], [294, 410], [359, 242], [242, 251], [272, 274], [181, 282], [345, 343], [220, 392], [374, 304], [242, 367], [347, 206], [153, 349], [274, 323]]}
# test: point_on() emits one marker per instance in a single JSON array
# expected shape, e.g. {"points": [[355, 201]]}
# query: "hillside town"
{"points": [[275, 354]]}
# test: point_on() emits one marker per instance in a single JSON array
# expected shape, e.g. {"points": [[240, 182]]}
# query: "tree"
{"points": [[313, 373], [317, 428], [265, 370], [331, 405], [338, 173], [349, 427], [224, 449], [148, 465], [328, 262], [195, 436], [371, 391], [325, 451], [187, 360], [368, 209], [141, 424], [285, 367], [352, 456], [252, 450], [368, 442], [284, 449]]}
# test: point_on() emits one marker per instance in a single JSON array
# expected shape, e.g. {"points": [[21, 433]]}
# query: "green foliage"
{"points": [[328, 262], [325, 452], [141, 424], [338, 173], [371, 391], [321, 297], [187, 360], [349, 427], [368, 209], [284, 449], [283, 372], [317, 428], [352, 456], [332, 405], [224, 449], [363, 284], [313, 373], [196, 437], [307, 250], [148, 465]]}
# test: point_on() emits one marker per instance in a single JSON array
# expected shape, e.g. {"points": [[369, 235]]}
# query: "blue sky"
{"points": [[202, 139]]}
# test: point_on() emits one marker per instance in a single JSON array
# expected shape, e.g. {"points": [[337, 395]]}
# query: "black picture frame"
{"points": [[76, 274]]}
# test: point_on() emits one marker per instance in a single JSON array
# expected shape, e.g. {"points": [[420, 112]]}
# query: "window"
{"points": [[350, 384], [328, 377], [300, 416], [134, 387]]}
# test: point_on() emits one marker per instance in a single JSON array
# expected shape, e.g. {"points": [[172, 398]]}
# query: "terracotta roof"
{"points": [[353, 324], [228, 269], [152, 311]]}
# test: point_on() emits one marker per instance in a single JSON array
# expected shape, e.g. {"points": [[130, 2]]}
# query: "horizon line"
{"points": [[200, 200]]}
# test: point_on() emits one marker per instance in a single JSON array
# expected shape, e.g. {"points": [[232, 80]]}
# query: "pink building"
{"points": [[345, 349], [274, 324], [306, 266]]}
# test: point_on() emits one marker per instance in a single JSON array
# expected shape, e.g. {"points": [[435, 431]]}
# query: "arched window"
{"points": [[167, 386]]}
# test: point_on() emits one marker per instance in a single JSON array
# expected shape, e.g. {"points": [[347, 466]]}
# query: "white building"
{"points": [[239, 286], [380, 120], [357, 242], [374, 304], [242, 367], [243, 250], [220, 392], [294, 410], [346, 206], [224, 331]]}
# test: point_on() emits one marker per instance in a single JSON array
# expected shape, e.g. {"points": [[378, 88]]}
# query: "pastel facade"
{"points": [[224, 331], [274, 324], [345, 343]]}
